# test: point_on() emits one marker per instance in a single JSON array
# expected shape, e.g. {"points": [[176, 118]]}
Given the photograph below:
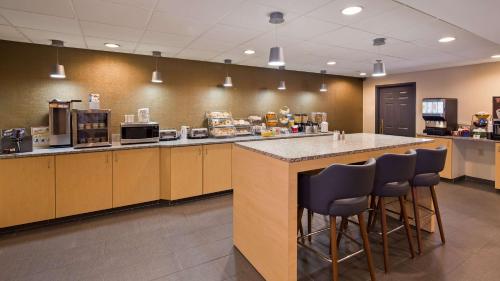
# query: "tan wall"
{"points": [[190, 88], [473, 86]]}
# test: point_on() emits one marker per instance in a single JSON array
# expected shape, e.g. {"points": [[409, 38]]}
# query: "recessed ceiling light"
{"points": [[495, 57], [362, 74], [249, 52], [349, 11], [111, 45], [331, 62], [447, 39]]}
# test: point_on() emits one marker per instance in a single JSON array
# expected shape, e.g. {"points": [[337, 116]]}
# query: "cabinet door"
{"points": [[84, 183], [497, 165], [186, 172], [27, 190], [216, 168], [136, 176], [165, 171]]}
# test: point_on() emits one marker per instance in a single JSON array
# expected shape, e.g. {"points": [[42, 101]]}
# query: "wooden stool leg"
{"points": [[300, 229], [416, 215], [404, 215], [371, 213], [376, 214], [333, 248], [438, 214], [309, 224], [383, 220], [343, 227], [366, 244]]}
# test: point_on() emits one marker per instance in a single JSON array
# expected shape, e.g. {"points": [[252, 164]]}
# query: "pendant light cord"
{"points": [[57, 54], [156, 63]]}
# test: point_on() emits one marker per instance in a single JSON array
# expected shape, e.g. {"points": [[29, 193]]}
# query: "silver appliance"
{"points": [[139, 132], [198, 133], [60, 122], [91, 128], [440, 115], [168, 134]]}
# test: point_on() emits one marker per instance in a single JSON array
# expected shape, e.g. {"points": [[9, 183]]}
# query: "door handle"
{"points": [[381, 126], [48, 163]]}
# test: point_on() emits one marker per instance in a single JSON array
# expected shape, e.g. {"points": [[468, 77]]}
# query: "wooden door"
{"points": [[84, 183], [27, 190], [186, 172], [396, 110], [136, 176], [216, 167]]}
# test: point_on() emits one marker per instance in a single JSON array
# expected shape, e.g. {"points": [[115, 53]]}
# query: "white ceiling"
{"points": [[314, 32]]}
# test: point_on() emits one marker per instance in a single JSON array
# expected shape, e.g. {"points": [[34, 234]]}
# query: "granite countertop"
{"points": [[174, 143], [458, 138], [293, 150]]}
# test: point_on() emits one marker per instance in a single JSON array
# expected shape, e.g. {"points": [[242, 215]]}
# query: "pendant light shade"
{"points": [[228, 81], [156, 76], [323, 88], [57, 70], [276, 57], [378, 69], [282, 86]]}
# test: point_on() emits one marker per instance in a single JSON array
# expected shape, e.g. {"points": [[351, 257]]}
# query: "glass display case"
{"points": [[242, 126], [91, 128], [220, 124]]}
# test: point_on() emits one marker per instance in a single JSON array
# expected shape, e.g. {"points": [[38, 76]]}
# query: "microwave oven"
{"points": [[139, 132]]}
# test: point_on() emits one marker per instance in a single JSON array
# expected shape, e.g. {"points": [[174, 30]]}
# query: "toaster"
{"points": [[168, 134], [198, 133]]}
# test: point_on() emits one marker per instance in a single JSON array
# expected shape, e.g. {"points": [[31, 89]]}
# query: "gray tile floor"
{"points": [[193, 242]]}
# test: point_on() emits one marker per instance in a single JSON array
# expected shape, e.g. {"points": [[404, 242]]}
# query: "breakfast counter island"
{"points": [[264, 177]]}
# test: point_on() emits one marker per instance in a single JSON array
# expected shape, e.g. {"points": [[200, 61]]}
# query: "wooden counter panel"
{"points": [[186, 172], [27, 190], [216, 168], [165, 173]]}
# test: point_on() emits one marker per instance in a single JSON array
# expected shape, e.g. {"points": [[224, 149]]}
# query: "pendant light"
{"points": [[378, 66], [228, 81], [276, 56], [323, 87], [282, 84], [156, 77], [57, 71]]}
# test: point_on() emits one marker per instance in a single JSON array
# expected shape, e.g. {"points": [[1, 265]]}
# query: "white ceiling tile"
{"points": [[162, 22], [98, 44], [147, 49], [45, 37], [193, 54], [297, 6], [166, 39], [306, 28], [111, 13], [112, 32], [11, 34], [41, 22], [3, 21], [347, 37], [230, 34], [236, 58], [60, 8], [333, 12], [210, 45], [201, 10], [254, 16], [144, 4]]}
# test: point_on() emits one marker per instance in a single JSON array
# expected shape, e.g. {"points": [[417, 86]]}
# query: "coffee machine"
{"points": [[60, 122], [440, 116]]}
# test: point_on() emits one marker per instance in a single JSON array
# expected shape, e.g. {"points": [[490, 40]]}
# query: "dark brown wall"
{"points": [[190, 88]]}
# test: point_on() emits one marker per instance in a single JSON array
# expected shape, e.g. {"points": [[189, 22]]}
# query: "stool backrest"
{"points": [[430, 160], [339, 181], [395, 168]]}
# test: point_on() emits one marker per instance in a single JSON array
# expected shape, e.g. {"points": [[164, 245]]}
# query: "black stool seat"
{"points": [[348, 207], [392, 189], [427, 179]]}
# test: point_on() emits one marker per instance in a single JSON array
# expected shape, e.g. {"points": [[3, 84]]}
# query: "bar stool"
{"points": [[429, 163], [394, 171], [338, 191]]}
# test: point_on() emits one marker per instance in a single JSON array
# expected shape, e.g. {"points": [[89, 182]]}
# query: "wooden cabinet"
{"points": [[216, 167], [136, 176], [186, 176], [497, 165], [448, 143], [165, 173], [84, 183], [27, 190]]}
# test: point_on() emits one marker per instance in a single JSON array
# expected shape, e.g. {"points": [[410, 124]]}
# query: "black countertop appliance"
{"points": [[15, 141], [440, 115]]}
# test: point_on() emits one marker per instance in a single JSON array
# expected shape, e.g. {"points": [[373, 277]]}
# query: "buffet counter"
{"points": [[265, 191], [59, 182]]}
